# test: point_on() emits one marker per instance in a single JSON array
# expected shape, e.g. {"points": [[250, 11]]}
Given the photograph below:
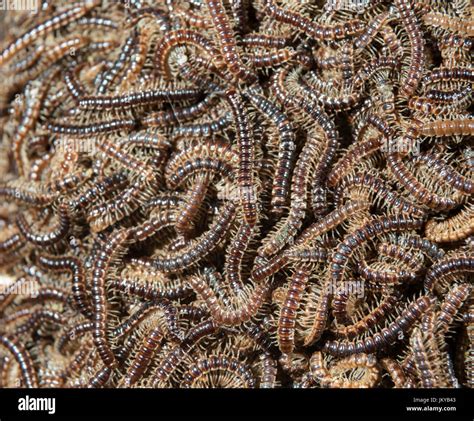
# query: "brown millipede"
{"points": [[50, 25]]}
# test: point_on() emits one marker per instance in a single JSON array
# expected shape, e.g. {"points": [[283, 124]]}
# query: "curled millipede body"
{"points": [[226, 367], [386, 336], [51, 237], [73, 265], [456, 228], [23, 359]]}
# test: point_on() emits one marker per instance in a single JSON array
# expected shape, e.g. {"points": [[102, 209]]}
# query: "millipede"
{"points": [[316, 313], [72, 333], [49, 25], [359, 150], [253, 40], [388, 335], [428, 356], [134, 99], [443, 128], [370, 32], [139, 54], [320, 32], [271, 59], [377, 226], [150, 344], [444, 268], [331, 102], [287, 231], [454, 300], [213, 156], [51, 237], [415, 70], [250, 300], [247, 190], [193, 19], [28, 61], [452, 96], [23, 358], [447, 173], [409, 181], [100, 378], [463, 27], [269, 372], [99, 272], [182, 37], [228, 370], [370, 320], [235, 256], [92, 128], [447, 73], [144, 315], [178, 115], [237, 194], [34, 99], [107, 78], [59, 52], [455, 228], [286, 150], [346, 372], [199, 248], [227, 40], [330, 221], [102, 216], [286, 321], [149, 290], [190, 212]]}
